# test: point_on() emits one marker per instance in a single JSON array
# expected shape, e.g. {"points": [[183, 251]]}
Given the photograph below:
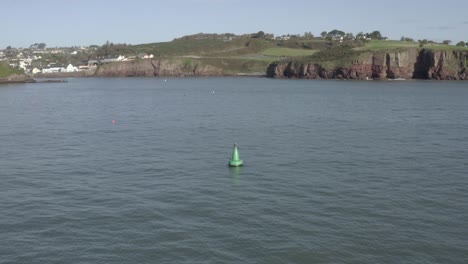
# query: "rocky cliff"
{"points": [[162, 67], [412, 63]]}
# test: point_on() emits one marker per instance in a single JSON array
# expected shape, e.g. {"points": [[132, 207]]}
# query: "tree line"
{"points": [[338, 34]]}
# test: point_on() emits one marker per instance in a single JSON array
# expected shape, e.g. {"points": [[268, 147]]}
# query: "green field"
{"points": [[204, 47], [287, 52], [388, 45], [395, 44], [444, 47]]}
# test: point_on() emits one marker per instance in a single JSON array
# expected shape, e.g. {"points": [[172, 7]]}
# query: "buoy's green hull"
{"points": [[235, 163], [235, 160]]}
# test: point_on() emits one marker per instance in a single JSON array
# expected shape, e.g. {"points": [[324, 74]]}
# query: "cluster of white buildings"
{"points": [[29, 61], [54, 68], [20, 61], [25, 62]]}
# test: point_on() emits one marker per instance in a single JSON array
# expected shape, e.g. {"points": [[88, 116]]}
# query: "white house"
{"points": [[35, 71], [145, 56], [71, 68], [22, 64], [53, 69]]}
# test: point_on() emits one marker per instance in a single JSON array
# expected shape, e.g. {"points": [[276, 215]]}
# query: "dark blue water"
{"points": [[335, 171]]}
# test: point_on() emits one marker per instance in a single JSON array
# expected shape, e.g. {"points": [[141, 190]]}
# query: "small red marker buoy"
{"points": [[113, 121]]}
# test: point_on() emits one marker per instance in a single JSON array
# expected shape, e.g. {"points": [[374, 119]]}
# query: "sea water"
{"points": [[134, 170]]}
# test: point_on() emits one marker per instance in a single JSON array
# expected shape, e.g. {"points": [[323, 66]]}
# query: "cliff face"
{"points": [[419, 64], [152, 67]]}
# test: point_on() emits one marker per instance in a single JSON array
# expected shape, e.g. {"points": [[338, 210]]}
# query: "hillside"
{"points": [[233, 56], [6, 70], [8, 74], [240, 56], [283, 57], [212, 54]]}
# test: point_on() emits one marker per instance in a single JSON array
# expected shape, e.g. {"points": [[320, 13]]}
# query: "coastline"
{"points": [[17, 78], [57, 78], [30, 80]]}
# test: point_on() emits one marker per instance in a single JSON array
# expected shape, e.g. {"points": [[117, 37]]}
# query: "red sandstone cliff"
{"points": [[412, 63]]}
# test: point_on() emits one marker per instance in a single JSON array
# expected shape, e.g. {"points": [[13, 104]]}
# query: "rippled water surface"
{"points": [[335, 171]]}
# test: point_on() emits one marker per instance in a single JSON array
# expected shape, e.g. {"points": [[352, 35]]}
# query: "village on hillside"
{"points": [[39, 59]]}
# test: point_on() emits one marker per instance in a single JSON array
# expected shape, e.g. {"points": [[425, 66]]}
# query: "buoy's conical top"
{"points": [[235, 161]]}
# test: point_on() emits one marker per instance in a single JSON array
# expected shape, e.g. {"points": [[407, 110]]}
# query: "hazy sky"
{"points": [[86, 22]]}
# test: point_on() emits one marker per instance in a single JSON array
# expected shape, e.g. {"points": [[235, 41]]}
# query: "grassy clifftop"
{"points": [[389, 45], [246, 45]]}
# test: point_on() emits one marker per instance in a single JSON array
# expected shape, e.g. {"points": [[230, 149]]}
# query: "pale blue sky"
{"points": [[86, 22]]}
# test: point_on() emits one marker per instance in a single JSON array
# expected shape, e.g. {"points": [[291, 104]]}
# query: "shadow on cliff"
{"points": [[424, 62]]}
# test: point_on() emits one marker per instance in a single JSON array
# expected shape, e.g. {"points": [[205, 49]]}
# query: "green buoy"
{"points": [[235, 161]]}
